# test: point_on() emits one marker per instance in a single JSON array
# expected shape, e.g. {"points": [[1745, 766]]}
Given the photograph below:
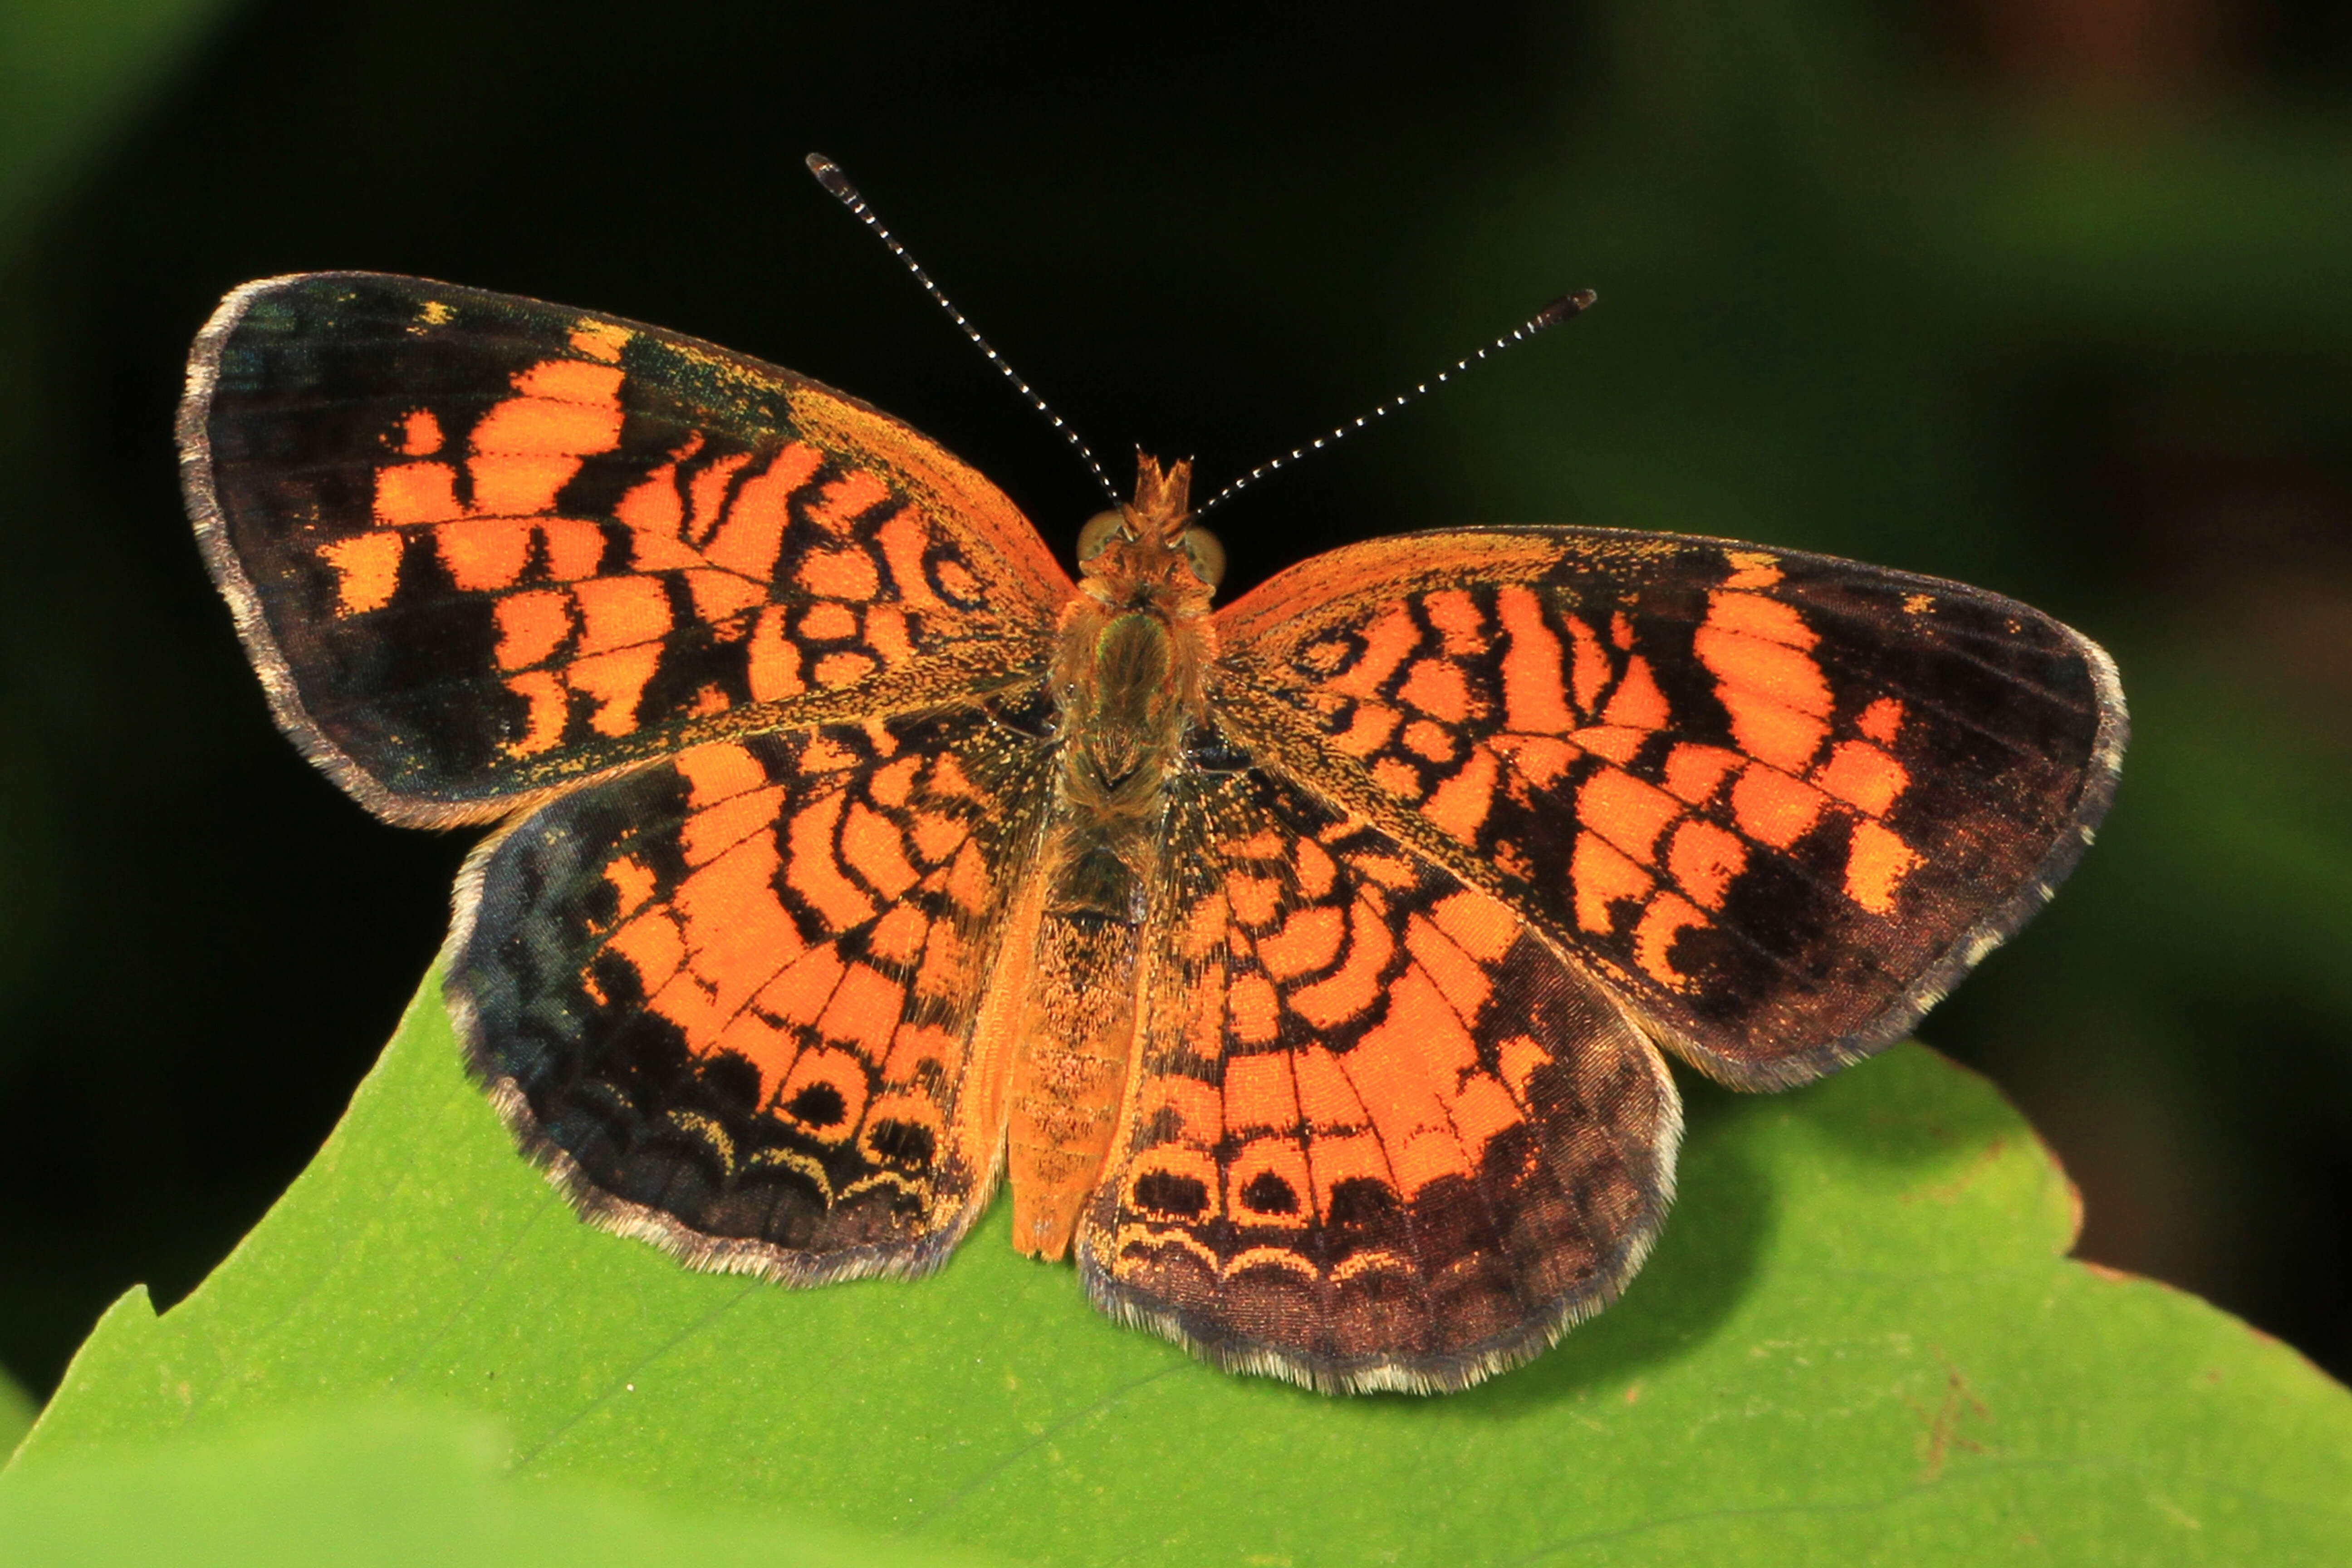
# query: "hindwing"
{"points": [[1379, 1134], [741, 999]]}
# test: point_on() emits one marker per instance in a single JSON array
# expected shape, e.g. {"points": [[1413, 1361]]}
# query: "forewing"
{"points": [[479, 546], [1781, 802], [1379, 1134], [738, 999]]}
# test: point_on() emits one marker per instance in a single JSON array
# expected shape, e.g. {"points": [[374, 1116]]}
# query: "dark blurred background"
{"points": [[2054, 296]]}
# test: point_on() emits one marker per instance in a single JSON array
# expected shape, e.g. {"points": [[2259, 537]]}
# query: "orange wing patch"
{"points": [[1556, 709], [585, 640], [743, 997], [1382, 1137], [1699, 769]]}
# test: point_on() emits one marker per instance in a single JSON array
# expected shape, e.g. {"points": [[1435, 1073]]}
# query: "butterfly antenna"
{"points": [[1551, 315], [829, 175]]}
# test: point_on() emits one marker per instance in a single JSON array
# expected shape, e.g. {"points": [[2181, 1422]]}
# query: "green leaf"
{"points": [[380, 1485], [70, 71], [1858, 1340]]}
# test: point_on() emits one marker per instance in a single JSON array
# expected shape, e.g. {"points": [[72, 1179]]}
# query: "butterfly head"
{"points": [[1149, 551]]}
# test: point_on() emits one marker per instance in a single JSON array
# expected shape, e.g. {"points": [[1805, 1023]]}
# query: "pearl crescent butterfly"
{"points": [[1307, 965]]}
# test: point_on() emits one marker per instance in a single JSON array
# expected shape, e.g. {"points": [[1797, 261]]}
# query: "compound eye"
{"points": [[1099, 530], [1206, 553]]}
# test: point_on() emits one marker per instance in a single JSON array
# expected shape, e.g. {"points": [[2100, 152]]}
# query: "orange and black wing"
{"points": [[739, 999], [1779, 802], [481, 547], [1381, 1135]]}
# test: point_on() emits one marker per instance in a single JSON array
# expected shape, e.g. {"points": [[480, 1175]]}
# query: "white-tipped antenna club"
{"points": [[1551, 315], [829, 175]]}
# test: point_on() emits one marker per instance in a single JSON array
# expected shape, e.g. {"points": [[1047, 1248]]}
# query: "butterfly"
{"points": [[1307, 965]]}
